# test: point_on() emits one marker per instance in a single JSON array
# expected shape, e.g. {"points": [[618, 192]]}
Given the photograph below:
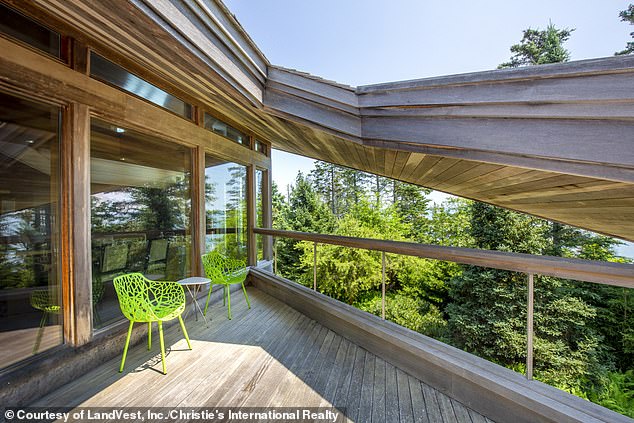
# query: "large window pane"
{"points": [[30, 300], [140, 211], [259, 207], [226, 211]]}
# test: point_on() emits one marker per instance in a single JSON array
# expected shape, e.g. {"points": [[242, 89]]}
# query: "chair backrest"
{"points": [[115, 257], [133, 291], [214, 264]]}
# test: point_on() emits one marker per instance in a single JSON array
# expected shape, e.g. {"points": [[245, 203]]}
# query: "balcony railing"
{"points": [[606, 273]]}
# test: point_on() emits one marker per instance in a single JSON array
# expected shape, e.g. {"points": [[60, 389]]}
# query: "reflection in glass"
{"points": [[114, 74], [225, 130], [225, 207], [140, 212], [24, 29], [30, 300], [259, 207]]}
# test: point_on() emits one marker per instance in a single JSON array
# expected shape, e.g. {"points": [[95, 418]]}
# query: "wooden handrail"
{"points": [[618, 274]]}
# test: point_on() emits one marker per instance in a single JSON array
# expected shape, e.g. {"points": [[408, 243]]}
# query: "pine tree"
{"points": [[627, 15], [539, 47], [305, 212]]}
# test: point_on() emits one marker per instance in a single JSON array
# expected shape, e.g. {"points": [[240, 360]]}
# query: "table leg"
{"points": [[200, 310]]}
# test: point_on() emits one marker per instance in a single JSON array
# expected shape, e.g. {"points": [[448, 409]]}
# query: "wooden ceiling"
{"points": [[555, 141]]}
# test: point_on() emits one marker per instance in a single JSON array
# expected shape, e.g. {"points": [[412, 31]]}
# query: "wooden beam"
{"points": [[558, 139], [76, 229], [50, 80], [252, 248], [618, 274], [267, 213], [199, 223]]}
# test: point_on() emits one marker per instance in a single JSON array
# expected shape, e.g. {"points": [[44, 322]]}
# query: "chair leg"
{"points": [[160, 325], [207, 303], [245, 295], [40, 332], [224, 295], [228, 288], [180, 319], [149, 336], [125, 349]]}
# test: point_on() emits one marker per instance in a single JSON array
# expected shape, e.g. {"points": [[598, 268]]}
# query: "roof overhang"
{"points": [[555, 141]]}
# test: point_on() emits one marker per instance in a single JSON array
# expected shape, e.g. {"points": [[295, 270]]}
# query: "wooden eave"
{"points": [[555, 141]]}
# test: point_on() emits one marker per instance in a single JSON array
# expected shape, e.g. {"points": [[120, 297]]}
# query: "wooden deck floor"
{"points": [[270, 355]]}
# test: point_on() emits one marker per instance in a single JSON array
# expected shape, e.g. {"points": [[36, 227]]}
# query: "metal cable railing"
{"points": [[606, 273]]}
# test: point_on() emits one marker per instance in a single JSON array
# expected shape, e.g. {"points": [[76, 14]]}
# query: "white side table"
{"points": [[196, 283]]}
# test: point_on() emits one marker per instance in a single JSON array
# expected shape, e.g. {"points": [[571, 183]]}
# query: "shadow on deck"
{"points": [[269, 356]]}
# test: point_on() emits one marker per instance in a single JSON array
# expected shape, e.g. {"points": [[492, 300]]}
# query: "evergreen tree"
{"points": [[488, 314], [539, 47], [627, 15], [305, 212], [326, 179], [412, 206]]}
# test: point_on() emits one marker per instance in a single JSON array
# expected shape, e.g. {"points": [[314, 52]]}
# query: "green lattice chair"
{"points": [[143, 300], [224, 271], [47, 303]]}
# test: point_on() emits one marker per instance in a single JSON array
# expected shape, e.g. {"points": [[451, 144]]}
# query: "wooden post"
{"points": [[252, 248], [267, 213], [198, 229], [529, 329], [383, 285], [76, 234]]}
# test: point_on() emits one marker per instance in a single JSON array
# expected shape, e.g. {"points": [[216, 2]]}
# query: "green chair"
{"points": [[224, 271], [43, 300], [143, 300]]}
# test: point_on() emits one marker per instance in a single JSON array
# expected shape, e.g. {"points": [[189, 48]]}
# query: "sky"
{"points": [[363, 42]]}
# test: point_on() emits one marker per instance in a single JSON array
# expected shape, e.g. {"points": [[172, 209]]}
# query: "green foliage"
{"points": [[487, 315], [539, 47], [407, 311], [582, 330], [627, 15], [305, 212], [616, 393]]}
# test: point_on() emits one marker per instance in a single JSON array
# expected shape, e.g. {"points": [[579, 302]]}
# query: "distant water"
{"points": [[626, 250]]}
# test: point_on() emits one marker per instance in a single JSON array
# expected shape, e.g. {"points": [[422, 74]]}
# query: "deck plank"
{"points": [[433, 408], [367, 388], [391, 394], [446, 409], [269, 355], [379, 395], [406, 414], [418, 401], [461, 412], [356, 383]]}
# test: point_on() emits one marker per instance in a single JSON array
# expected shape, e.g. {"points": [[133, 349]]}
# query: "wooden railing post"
{"points": [[529, 328]]}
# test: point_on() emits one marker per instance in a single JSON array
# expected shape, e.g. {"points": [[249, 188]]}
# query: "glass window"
{"points": [[260, 147], [259, 207], [140, 211], [225, 207], [30, 292], [219, 127], [114, 74], [20, 27]]}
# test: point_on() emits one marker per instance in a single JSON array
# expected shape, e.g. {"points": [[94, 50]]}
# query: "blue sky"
{"points": [[361, 42]]}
